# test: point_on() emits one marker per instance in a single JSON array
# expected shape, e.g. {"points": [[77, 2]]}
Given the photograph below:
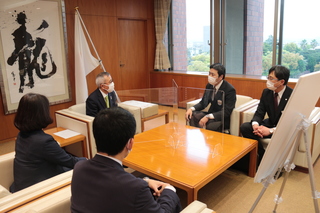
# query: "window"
{"points": [[301, 34], [198, 35], [247, 36]]}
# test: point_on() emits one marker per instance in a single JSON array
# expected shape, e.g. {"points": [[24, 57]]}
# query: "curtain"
{"points": [[161, 12]]}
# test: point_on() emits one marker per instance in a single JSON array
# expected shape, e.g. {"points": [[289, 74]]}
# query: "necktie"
{"points": [[275, 101], [213, 93], [107, 101]]}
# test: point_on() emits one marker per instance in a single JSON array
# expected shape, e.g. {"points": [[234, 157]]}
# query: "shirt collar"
{"points": [[218, 85], [103, 94], [118, 161], [281, 92]]}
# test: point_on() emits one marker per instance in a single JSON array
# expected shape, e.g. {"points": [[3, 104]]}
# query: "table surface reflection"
{"points": [[188, 157]]}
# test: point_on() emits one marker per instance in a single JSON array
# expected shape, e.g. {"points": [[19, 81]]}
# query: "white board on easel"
{"points": [[302, 101]]}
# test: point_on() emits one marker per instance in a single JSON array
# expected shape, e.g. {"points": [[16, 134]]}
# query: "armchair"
{"points": [[35, 192], [243, 102], [75, 118], [313, 136]]}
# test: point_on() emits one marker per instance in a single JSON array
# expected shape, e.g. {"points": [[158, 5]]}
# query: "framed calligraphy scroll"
{"points": [[33, 47]]}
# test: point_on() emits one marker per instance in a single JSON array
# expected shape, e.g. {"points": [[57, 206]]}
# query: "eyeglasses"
{"points": [[272, 79], [212, 74], [108, 83]]}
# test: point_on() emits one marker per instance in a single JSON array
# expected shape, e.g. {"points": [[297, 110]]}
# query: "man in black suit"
{"points": [[103, 97], [273, 101], [221, 95], [102, 185]]}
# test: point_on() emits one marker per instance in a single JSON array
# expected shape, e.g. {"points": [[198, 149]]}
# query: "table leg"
{"points": [[167, 117], [142, 125], [84, 149], [192, 195], [253, 162]]}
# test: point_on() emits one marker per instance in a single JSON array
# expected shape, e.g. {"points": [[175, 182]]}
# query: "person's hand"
{"points": [[203, 121], [262, 131], [188, 114], [255, 127], [157, 186]]}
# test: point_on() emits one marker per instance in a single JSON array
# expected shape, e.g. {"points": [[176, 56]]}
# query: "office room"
{"points": [[151, 58]]}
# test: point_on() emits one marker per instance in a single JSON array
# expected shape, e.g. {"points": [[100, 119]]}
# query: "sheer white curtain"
{"points": [[161, 12]]}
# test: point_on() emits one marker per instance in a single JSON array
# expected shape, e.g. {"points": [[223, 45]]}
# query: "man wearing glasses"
{"points": [[273, 101], [103, 97]]}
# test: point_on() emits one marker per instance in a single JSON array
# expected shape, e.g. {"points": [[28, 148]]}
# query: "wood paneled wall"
{"points": [[250, 86], [101, 18]]}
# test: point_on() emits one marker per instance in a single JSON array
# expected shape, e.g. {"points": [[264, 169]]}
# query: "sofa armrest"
{"points": [[136, 112], [194, 102], [197, 207], [242, 99], [6, 168], [80, 123], [236, 116], [35, 191], [313, 140]]}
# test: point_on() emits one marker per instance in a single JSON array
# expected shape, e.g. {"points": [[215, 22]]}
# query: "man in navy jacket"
{"points": [[103, 97], [222, 97], [102, 185], [259, 127]]}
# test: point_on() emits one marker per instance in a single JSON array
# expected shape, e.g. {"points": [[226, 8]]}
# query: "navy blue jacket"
{"points": [[102, 185], [95, 102], [38, 157], [229, 93]]}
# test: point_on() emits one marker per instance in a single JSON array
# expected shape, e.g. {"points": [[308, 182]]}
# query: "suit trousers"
{"points": [[212, 124], [247, 132]]}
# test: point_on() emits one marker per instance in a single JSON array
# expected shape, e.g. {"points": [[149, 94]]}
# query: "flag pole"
{"points": [[94, 48]]}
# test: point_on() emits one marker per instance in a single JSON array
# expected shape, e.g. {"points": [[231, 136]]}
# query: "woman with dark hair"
{"points": [[38, 156]]}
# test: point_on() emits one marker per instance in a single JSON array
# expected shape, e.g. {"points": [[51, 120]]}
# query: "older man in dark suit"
{"points": [[102, 185], [103, 97], [273, 101], [222, 97]]}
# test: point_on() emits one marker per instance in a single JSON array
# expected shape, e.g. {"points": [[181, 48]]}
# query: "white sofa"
{"points": [[243, 102], [59, 201], [75, 118], [6, 168], [313, 136], [35, 191]]}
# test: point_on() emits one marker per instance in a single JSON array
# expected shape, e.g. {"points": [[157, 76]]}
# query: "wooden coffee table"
{"points": [[188, 157]]}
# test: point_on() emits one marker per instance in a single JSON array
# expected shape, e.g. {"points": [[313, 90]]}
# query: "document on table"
{"points": [[66, 133]]}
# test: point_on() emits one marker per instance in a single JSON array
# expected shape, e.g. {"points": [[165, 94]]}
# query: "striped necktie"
{"points": [[213, 93], [107, 101]]}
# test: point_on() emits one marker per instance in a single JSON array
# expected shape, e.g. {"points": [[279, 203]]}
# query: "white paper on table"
{"points": [[66, 133]]}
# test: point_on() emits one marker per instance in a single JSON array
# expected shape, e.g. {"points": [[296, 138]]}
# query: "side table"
{"points": [[161, 112], [67, 141]]}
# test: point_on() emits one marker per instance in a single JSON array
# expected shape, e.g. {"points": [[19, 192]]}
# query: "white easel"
{"points": [[288, 166]]}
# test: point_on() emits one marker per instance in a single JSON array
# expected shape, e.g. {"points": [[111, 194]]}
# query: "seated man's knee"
{"points": [[245, 127], [214, 126]]}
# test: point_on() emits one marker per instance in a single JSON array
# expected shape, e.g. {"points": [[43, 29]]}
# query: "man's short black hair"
{"points": [[281, 72], [112, 129], [33, 113], [220, 68]]}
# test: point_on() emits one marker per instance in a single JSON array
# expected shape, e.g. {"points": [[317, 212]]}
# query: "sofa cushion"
{"points": [[80, 108], [3, 192]]}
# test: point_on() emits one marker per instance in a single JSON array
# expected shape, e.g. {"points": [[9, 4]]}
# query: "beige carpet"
{"points": [[234, 191]]}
